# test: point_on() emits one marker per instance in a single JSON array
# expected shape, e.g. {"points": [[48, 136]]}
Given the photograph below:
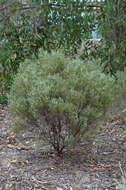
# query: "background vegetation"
{"points": [[29, 25]]}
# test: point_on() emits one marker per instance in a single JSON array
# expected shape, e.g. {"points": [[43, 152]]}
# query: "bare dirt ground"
{"points": [[22, 167]]}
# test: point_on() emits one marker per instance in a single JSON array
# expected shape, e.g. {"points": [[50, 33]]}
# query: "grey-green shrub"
{"points": [[122, 185], [62, 98]]}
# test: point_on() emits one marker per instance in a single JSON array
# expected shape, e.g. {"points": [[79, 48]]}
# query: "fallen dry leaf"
{"points": [[71, 188], [58, 188], [124, 110]]}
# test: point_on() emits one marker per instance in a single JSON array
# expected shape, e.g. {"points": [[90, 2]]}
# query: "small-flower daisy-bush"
{"points": [[63, 98]]}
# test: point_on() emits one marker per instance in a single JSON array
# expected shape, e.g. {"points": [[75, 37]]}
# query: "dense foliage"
{"points": [[62, 98], [28, 25]]}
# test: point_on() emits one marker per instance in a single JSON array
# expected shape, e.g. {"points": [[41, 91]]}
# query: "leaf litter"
{"points": [[85, 167]]}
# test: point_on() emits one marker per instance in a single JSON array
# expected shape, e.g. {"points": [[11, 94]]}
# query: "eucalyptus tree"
{"points": [[112, 26]]}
